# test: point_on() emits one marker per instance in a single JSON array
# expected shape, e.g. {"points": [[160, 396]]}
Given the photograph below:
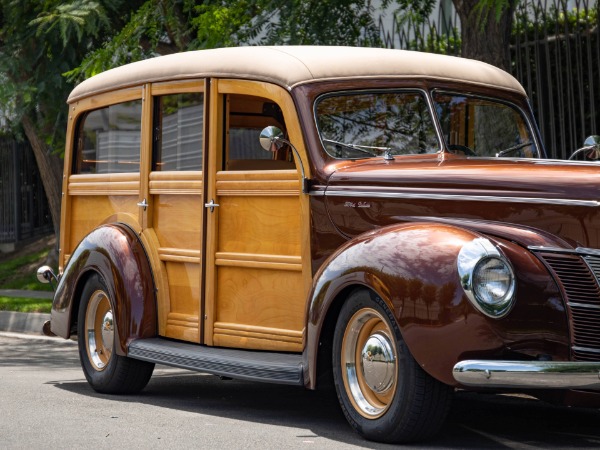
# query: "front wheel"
{"points": [[106, 371], [383, 392]]}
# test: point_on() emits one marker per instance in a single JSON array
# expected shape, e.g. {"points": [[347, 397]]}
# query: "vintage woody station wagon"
{"points": [[379, 218]]}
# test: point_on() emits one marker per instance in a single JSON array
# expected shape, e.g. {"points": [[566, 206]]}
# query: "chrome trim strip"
{"points": [[582, 251], [584, 305], [459, 197], [528, 374], [578, 348]]}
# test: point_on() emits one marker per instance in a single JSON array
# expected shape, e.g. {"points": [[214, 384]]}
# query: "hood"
{"points": [[559, 197]]}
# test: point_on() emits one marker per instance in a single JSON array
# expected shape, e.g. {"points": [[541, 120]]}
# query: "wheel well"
{"points": [[77, 299], [324, 358]]}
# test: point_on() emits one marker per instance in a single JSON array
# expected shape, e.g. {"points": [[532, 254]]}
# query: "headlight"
{"points": [[487, 277]]}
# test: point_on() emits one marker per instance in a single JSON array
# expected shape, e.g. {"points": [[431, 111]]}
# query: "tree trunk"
{"points": [[51, 170], [485, 36]]}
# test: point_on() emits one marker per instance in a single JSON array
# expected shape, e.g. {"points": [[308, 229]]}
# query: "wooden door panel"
{"points": [[177, 222], [259, 300]]}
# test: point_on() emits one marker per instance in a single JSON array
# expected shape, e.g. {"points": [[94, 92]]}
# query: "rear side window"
{"points": [[109, 139], [178, 124]]}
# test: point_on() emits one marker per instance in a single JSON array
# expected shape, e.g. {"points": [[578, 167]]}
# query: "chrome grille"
{"points": [[578, 277]]}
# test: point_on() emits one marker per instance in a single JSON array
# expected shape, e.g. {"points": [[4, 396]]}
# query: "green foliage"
{"points": [[72, 20], [39, 41], [488, 9], [27, 305], [532, 20], [19, 273], [156, 27], [321, 22], [226, 24]]}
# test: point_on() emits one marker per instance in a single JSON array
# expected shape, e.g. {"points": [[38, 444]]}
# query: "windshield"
{"points": [[477, 126], [365, 124]]}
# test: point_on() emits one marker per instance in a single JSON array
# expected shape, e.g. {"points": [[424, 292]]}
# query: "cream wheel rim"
{"points": [[369, 363], [100, 331]]}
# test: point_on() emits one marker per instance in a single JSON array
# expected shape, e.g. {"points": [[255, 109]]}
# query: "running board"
{"points": [[271, 367]]}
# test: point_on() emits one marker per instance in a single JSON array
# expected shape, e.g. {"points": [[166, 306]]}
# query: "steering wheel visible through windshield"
{"points": [[476, 126]]}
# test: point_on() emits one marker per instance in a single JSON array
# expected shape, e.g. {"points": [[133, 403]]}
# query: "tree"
{"points": [[39, 40], [486, 26]]}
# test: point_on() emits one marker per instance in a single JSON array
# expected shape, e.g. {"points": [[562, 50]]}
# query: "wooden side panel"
{"points": [[177, 222], [99, 199], [260, 294]]}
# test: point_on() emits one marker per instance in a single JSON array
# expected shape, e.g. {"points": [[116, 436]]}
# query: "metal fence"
{"points": [[555, 54], [24, 211]]}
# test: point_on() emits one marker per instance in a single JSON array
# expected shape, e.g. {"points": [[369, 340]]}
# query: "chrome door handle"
{"points": [[143, 204], [211, 205]]}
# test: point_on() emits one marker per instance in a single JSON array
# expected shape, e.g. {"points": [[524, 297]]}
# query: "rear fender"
{"points": [[114, 252]]}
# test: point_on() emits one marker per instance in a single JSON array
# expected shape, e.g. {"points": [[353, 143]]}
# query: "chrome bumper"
{"points": [[528, 374]]}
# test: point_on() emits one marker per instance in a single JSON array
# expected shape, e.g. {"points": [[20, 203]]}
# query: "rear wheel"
{"points": [[106, 371], [383, 392]]}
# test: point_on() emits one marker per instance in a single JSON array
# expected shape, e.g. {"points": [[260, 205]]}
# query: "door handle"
{"points": [[143, 204], [211, 205]]}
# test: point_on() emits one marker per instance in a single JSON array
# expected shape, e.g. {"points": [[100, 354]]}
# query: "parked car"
{"points": [[381, 219]]}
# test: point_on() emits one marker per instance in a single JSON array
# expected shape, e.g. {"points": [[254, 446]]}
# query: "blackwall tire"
{"points": [[106, 371], [383, 392]]}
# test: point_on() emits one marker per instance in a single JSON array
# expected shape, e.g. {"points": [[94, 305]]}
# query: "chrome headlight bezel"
{"points": [[475, 256]]}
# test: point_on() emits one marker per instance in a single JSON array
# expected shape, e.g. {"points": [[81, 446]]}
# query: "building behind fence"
{"points": [[24, 211], [555, 54]]}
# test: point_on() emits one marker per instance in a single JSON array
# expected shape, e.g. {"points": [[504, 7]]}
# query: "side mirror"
{"points": [[271, 139], [592, 146]]}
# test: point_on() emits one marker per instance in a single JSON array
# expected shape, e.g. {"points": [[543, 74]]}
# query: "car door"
{"points": [[172, 201], [257, 261]]}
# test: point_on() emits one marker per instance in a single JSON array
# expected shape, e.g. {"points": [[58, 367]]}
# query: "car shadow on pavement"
{"points": [[474, 421]]}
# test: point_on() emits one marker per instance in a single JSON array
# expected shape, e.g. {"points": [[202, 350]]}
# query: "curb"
{"points": [[19, 322]]}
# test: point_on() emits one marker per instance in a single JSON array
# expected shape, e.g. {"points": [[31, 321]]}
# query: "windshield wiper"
{"points": [[370, 150], [508, 150]]}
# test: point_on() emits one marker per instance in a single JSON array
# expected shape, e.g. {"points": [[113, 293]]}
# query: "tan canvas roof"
{"points": [[289, 66]]}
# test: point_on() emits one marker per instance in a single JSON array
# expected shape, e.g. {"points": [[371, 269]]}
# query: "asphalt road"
{"points": [[46, 403]]}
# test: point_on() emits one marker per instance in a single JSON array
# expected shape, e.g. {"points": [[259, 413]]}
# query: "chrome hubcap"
{"points": [[100, 333], [378, 363], [369, 363]]}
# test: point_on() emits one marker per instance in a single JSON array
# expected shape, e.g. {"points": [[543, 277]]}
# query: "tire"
{"points": [[383, 392], [106, 372]]}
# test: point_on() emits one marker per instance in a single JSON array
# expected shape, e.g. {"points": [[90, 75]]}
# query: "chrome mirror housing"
{"points": [[592, 146], [45, 275], [271, 139]]}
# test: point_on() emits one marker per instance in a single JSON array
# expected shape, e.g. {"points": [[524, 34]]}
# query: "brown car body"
{"points": [[393, 226]]}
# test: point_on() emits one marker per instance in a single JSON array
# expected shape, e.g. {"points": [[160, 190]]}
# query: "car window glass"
{"points": [[483, 127], [178, 125], [364, 124], [246, 117], [109, 139]]}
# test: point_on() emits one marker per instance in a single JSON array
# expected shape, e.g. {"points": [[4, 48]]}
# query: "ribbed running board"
{"points": [[281, 368]]}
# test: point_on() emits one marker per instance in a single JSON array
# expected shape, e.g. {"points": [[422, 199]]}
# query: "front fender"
{"points": [[412, 267], [114, 252]]}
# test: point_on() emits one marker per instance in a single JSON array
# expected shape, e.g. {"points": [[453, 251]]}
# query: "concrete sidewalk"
{"points": [[18, 322], [25, 294]]}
